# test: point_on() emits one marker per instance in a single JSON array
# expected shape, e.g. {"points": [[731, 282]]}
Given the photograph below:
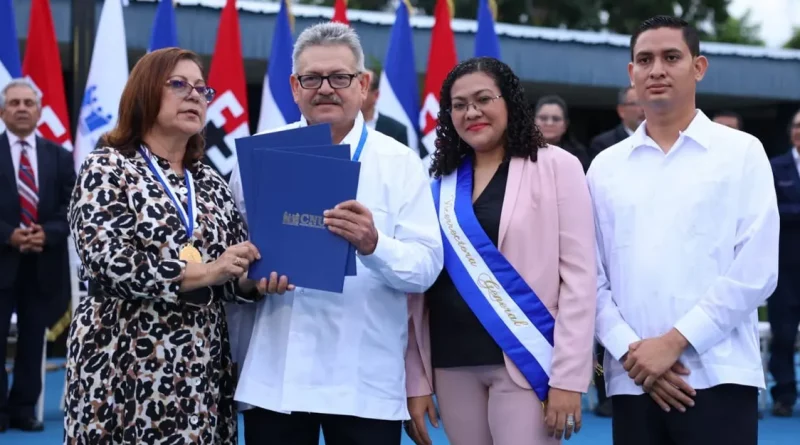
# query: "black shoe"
{"points": [[30, 424], [781, 410], [603, 409]]}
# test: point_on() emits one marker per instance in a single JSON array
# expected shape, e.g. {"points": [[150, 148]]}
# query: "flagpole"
{"points": [[82, 30]]}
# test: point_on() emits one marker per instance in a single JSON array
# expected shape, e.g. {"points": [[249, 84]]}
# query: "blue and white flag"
{"points": [[108, 74], [499, 297], [487, 44], [165, 31], [10, 66], [277, 104], [399, 98]]}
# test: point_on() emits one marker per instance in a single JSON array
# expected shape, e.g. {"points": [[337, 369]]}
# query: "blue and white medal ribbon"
{"points": [[188, 219]]}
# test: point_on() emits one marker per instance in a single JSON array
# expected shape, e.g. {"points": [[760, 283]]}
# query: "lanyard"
{"points": [[187, 220], [361, 143]]}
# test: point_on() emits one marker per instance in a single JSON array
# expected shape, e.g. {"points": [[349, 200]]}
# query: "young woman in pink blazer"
{"points": [[509, 323]]}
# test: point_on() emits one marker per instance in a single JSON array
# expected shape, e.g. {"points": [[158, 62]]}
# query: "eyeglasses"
{"points": [[479, 103], [184, 88], [553, 119], [336, 81]]}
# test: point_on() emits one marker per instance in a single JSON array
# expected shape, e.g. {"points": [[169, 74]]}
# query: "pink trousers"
{"points": [[481, 405]]}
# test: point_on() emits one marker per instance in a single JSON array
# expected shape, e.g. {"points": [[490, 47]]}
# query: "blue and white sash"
{"points": [[503, 302]]}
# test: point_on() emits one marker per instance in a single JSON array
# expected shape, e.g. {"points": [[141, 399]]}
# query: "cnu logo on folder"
{"points": [[303, 220]]}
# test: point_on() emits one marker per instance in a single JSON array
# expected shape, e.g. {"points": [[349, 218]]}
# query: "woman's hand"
{"points": [[417, 428], [274, 285], [233, 263], [563, 413]]}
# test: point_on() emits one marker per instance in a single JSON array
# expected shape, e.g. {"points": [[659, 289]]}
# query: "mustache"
{"points": [[326, 99]]}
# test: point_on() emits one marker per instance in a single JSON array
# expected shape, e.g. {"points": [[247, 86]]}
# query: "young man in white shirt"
{"points": [[687, 233], [336, 361]]}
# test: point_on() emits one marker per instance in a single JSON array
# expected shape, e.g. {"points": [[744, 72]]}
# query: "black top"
{"points": [[457, 336]]}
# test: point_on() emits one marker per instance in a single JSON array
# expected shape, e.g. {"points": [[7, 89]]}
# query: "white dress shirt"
{"points": [[30, 150], [323, 352], [686, 240]]}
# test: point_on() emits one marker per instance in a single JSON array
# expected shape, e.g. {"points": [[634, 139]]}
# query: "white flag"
{"points": [[108, 74]]}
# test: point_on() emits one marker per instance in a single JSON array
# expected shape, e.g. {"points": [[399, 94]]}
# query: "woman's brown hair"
{"points": [[141, 102]]}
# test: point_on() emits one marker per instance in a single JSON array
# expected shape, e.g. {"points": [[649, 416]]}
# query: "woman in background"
{"points": [[517, 225], [552, 118], [162, 247]]}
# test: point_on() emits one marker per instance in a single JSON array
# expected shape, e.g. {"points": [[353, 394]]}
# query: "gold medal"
{"points": [[190, 254]]}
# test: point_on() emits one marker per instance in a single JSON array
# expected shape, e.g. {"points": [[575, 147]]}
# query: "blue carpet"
{"points": [[596, 431]]}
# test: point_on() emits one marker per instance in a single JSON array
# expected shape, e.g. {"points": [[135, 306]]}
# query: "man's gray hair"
{"points": [[328, 34], [19, 82]]}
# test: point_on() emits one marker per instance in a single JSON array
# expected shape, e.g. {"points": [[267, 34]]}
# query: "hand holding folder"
{"points": [[286, 190]]}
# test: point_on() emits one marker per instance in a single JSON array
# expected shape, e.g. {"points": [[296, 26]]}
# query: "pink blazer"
{"points": [[547, 234]]}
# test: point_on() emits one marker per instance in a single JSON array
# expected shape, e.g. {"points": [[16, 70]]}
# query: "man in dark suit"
{"points": [[630, 115], [783, 307], [381, 122], [36, 180]]}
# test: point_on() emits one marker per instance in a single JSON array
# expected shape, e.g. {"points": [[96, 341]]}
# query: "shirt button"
{"points": [[193, 420], [197, 381], [183, 190], [199, 343]]}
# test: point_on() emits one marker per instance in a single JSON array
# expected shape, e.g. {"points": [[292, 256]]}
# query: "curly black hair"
{"points": [[523, 138]]}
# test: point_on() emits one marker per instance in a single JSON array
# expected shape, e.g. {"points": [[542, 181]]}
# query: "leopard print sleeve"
{"points": [[236, 232], [103, 220]]}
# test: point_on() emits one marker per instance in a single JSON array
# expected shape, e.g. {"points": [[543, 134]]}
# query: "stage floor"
{"points": [[596, 431]]}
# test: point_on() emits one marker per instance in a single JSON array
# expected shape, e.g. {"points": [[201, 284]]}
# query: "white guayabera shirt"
{"points": [[322, 352], [686, 240]]}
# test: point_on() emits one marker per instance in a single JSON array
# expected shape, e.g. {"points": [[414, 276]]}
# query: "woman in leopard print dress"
{"points": [[162, 247]]}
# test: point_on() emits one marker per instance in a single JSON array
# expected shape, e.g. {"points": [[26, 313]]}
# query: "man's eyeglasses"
{"points": [[336, 81], [479, 104], [184, 88]]}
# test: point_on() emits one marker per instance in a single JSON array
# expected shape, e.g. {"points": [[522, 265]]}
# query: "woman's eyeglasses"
{"points": [[460, 107], [184, 88]]}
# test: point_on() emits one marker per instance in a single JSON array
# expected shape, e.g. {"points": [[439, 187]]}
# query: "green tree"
{"points": [[709, 16], [366, 5], [625, 17], [794, 42], [740, 31], [622, 16]]}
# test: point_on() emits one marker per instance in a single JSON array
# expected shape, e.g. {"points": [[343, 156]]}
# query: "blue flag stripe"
{"points": [[280, 66], [165, 30], [400, 65], [487, 44], [9, 48]]}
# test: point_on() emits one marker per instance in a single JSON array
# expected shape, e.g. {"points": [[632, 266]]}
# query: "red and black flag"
{"points": [[227, 117]]}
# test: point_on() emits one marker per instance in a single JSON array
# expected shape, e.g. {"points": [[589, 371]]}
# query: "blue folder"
{"points": [[301, 136], [328, 151], [291, 197], [312, 139]]}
